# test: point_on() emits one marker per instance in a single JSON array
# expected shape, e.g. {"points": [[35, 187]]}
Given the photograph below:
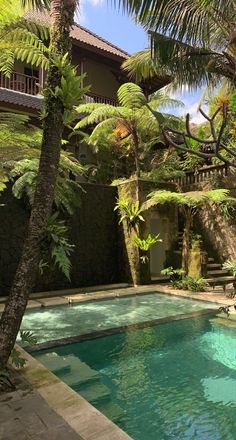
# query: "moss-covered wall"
{"points": [[219, 234], [167, 216], [94, 231]]}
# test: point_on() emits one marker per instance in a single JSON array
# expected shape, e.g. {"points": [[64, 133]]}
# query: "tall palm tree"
{"points": [[62, 18], [192, 39], [135, 118]]}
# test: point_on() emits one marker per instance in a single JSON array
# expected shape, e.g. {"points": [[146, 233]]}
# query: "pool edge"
{"points": [[117, 330], [79, 414]]}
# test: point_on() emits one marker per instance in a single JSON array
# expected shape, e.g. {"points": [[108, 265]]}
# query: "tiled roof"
{"points": [[83, 35], [21, 99]]}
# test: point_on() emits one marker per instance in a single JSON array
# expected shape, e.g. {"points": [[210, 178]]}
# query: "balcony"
{"points": [[99, 99], [19, 82]]}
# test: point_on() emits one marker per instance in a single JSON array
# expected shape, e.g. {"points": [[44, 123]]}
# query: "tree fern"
{"points": [[131, 96], [138, 116], [20, 39]]}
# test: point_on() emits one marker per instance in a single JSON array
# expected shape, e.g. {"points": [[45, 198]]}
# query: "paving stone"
{"points": [[5, 412], [32, 423], [65, 433], [11, 428], [33, 304], [48, 302], [21, 435]]}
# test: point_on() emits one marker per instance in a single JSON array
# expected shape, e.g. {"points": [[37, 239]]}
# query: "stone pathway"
{"points": [[25, 415]]}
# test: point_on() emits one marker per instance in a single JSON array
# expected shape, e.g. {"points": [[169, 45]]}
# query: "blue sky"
{"points": [[103, 19]]}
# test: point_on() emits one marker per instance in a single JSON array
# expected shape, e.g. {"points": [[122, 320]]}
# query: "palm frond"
{"points": [[141, 65], [36, 4]]}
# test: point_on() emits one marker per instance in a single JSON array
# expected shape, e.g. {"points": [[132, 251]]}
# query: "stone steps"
{"points": [[217, 273], [212, 266], [220, 281]]}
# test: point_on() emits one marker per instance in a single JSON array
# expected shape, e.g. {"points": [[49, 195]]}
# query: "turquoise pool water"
{"points": [[174, 381], [58, 322]]}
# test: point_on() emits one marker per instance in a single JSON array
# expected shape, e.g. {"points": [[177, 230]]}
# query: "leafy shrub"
{"points": [[194, 284], [145, 244], [129, 212], [174, 274], [230, 266]]}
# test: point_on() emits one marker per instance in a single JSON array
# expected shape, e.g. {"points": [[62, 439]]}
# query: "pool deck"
{"points": [[53, 298], [44, 408]]}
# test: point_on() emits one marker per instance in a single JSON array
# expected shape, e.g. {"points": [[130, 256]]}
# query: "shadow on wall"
{"points": [[218, 233], [97, 257]]}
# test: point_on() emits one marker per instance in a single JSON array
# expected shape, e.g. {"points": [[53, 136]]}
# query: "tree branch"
{"points": [[216, 141]]}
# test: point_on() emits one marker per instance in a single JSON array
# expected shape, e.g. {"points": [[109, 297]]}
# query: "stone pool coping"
{"points": [[80, 415], [120, 329], [113, 291]]}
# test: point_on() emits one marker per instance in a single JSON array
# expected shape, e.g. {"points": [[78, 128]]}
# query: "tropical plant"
{"points": [[194, 41], [135, 121], [129, 212], [230, 266], [189, 204], [21, 39], [145, 244], [62, 18], [67, 192], [57, 242], [194, 284], [26, 338], [175, 276]]}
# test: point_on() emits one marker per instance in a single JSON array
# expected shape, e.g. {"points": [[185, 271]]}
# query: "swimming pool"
{"points": [[52, 323], [174, 381]]}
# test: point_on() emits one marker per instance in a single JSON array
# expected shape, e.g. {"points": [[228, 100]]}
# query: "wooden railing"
{"points": [[99, 99], [20, 83], [201, 175], [29, 84]]}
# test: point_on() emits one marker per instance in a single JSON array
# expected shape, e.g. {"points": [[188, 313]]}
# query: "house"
{"points": [[98, 58]]}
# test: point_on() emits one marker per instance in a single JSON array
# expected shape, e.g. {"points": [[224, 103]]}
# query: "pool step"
{"points": [[231, 323], [94, 392], [69, 368], [111, 410]]}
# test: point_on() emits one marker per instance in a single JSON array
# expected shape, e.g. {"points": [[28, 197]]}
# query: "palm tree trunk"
{"points": [[186, 240], [62, 15], [136, 158]]}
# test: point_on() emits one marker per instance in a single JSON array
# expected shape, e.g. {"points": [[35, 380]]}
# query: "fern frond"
{"points": [[131, 96]]}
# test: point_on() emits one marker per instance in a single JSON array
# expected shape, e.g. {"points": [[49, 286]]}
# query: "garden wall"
{"points": [[219, 234], [93, 230]]}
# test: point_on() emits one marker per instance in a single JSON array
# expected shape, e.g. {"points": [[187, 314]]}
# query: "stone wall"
{"points": [[93, 230], [219, 234]]}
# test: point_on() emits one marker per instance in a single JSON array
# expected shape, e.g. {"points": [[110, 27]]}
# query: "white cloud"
{"points": [[81, 16]]}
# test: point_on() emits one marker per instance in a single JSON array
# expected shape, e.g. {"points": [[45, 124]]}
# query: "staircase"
{"points": [[216, 275], [86, 381]]}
